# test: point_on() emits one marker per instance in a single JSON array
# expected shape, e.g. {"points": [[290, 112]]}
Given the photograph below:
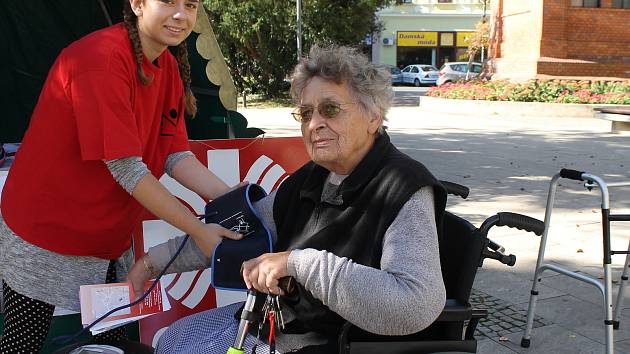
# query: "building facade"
{"points": [[580, 39], [426, 31]]}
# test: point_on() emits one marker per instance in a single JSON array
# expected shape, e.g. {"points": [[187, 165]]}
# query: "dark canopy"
{"points": [[32, 34]]}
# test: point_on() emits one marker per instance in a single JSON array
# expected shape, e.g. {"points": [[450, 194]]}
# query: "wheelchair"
{"points": [[463, 248]]}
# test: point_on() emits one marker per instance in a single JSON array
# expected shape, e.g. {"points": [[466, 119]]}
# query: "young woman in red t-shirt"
{"points": [[108, 123]]}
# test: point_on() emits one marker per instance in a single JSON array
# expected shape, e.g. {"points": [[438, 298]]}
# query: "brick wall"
{"points": [[518, 39], [598, 32], [554, 29], [583, 70], [550, 37]]}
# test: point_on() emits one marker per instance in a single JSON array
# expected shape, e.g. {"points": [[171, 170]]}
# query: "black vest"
{"points": [[352, 225]]}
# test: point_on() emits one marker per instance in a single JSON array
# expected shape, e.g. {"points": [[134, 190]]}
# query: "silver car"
{"points": [[418, 74], [396, 75], [456, 71]]}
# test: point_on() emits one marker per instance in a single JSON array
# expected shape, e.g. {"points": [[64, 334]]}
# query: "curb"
{"points": [[502, 108]]}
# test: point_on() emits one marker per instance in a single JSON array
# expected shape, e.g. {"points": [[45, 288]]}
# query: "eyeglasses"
{"points": [[327, 109]]}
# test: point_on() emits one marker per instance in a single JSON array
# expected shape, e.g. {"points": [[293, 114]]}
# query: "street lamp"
{"points": [[298, 26]]}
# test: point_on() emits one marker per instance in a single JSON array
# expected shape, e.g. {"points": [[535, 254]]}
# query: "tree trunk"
{"points": [[470, 60]]}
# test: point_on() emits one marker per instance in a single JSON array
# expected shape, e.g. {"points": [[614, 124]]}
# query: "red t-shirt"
{"points": [[59, 194]]}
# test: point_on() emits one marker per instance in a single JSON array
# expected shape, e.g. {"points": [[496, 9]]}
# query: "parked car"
{"points": [[456, 71], [418, 74], [396, 75]]}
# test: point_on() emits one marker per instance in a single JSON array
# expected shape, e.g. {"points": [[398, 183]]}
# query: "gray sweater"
{"points": [[404, 296]]}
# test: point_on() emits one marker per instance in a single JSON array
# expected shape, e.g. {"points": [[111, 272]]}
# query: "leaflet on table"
{"points": [[96, 300]]}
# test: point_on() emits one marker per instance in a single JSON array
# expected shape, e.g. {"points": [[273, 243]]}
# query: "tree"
{"points": [[258, 37], [479, 41]]}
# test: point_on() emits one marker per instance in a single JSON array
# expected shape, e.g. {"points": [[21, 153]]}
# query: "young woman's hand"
{"points": [[211, 236], [262, 273], [140, 272]]}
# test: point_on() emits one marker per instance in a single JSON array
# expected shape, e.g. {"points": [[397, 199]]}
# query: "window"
{"points": [[414, 69], [459, 67], [585, 3], [476, 68], [406, 70], [621, 4]]}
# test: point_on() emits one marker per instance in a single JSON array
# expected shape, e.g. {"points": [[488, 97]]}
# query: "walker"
{"points": [[610, 322]]}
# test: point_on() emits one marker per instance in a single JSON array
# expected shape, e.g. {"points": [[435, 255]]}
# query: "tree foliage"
{"points": [[258, 37], [480, 39]]}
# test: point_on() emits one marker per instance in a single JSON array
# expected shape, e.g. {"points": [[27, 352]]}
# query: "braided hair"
{"points": [[131, 23], [184, 73]]}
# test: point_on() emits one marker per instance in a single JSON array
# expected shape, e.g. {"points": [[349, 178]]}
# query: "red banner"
{"points": [[264, 161]]}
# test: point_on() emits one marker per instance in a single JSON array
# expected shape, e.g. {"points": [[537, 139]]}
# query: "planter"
{"points": [[508, 108]]}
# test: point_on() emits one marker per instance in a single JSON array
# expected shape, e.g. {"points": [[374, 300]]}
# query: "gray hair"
{"points": [[369, 83]]}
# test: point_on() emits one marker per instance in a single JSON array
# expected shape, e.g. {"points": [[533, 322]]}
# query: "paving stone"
{"points": [[503, 317]]}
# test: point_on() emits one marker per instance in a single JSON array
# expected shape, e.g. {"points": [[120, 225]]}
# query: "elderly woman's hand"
{"points": [[141, 271], [262, 273]]}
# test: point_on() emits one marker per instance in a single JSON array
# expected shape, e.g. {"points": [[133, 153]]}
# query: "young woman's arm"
{"points": [[158, 200], [193, 175], [133, 175]]}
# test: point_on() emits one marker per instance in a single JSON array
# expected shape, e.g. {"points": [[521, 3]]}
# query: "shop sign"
{"points": [[417, 39], [463, 38], [446, 39]]}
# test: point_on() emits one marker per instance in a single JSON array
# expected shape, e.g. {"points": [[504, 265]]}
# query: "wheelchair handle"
{"points": [[521, 222], [571, 174], [455, 189], [518, 221]]}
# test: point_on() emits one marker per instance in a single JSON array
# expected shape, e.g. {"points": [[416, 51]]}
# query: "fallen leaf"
{"points": [[579, 250], [504, 339]]}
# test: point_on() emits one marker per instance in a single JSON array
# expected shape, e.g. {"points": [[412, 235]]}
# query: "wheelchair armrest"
{"points": [[360, 341], [455, 311]]}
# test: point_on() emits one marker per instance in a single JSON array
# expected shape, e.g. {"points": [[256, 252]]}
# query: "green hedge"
{"points": [[556, 91]]}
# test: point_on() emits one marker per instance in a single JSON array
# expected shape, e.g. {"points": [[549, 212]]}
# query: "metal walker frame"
{"points": [[610, 322]]}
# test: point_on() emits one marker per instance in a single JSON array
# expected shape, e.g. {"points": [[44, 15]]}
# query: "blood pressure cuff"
{"points": [[235, 211]]}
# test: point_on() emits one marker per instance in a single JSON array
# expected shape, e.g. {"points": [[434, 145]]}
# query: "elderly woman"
{"points": [[357, 227]]}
